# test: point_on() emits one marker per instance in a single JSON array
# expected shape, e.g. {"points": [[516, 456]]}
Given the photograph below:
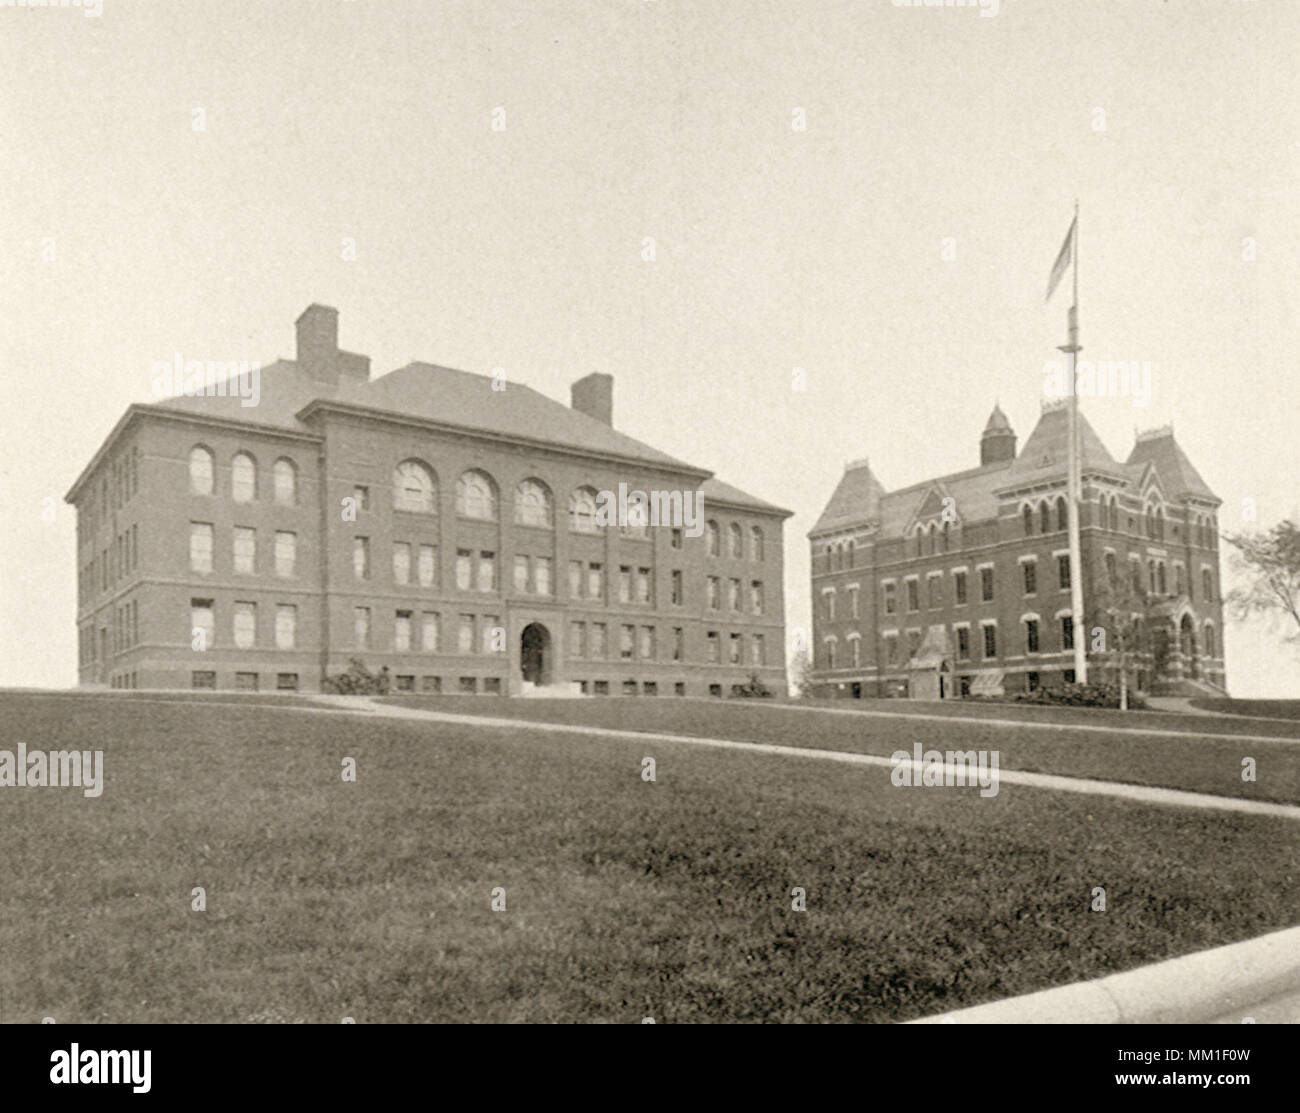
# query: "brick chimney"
{"points": [[318, 348], [593, 395]]}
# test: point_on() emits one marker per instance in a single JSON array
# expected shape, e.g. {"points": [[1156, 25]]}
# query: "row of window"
{"points": [[415, 490], [1156, 569], [119, 485], [1030, 628], [243, 624], [103, 571], [1046, 517], [243, 550], [206, 680]]}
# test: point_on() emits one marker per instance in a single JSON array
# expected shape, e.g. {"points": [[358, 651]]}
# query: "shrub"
{"points": [[1102, 694], [753, 687], [358, 681]]}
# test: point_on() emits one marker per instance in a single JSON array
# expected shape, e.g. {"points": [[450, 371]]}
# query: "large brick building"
{"points": [[960, 585], [443, 524]]}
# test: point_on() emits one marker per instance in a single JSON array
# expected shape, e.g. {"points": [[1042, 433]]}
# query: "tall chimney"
{"points": [[593, 395], [318, 342]]}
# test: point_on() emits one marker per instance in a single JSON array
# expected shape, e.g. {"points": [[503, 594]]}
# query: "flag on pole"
{"points": [[1063, 260]]}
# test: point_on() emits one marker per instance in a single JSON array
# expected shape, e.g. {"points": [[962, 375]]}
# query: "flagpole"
{"points": [[1074, 472]]}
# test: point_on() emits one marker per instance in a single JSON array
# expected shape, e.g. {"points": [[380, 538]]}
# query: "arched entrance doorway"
{"points": [[1187, 643], [535, 653]]}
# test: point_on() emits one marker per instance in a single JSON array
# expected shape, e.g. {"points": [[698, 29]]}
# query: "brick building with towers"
{"points": [[440, 524], [961, 584]]}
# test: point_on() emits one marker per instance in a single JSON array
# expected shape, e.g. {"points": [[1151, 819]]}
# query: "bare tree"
{"points": [[1118, 618]]}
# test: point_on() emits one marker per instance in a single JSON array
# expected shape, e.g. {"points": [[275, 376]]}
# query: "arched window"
{"points": [[243, 478], [534, 505], [476, 496], [582, 510], [1207, 585], [1062, 515], [1209, 640], [414, 488], [715, 538], [850, 552], [201, 471], [1110, 568], [737, 540], [830, 653], [756, 543], [1114, 513], [286, 482], [1045, 517], [1161, 577], [1029, 520], [946, 537]]}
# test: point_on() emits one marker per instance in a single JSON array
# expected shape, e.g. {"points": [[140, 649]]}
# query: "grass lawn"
{"points": [[624, 899], [1184, 761], [1269, 708]]}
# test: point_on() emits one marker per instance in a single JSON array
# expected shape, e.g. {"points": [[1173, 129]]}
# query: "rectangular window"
{"points": [[431, 684], [758, 650], [675, 539], [733, 594], [678, 651], [714, 648], [542, 575], [990, 642], [756, 590], [428, 565], [361, 558], [959, 587], [963, 643], [405, 683], [734, 649], [245, 550], [1031, 576], [200, 550], [598, 646], [429, 631], [1063, 571], [362, 497], [575, 579], [1031, 636], [402, 631], [286, 681], [676, 587], [625, 584], [756, 598], [986, 584], [646, 643], [361, 626], [245, 625], [246, 682], [521, 573], [626, 639], [286, 626], [401, 562], [913, 596], [891, 598], [465, 634], [286, 552], [595, 582], [469, 685], [494, 640], [643, 585], [487, 571], [464, 569], [715, 593], [891, 649], [578, 639], [1067, 632], [935, 587], [201, 678]]}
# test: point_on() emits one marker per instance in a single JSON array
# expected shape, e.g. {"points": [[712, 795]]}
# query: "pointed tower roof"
{"points": [[1044, 455], [856, 499], [997, 422], [1177, 476]]}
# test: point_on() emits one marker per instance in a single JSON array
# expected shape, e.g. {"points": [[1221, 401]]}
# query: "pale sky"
{"points": [[195, 169]]}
